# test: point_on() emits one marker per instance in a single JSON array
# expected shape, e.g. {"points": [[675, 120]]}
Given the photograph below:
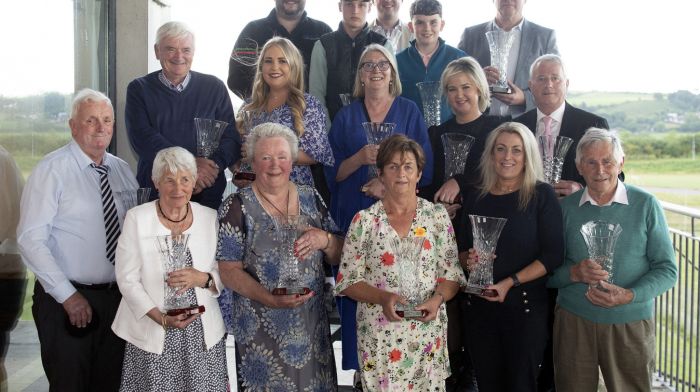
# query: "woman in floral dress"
{"points": [[395, 353], [282, 341], [278, 96]]}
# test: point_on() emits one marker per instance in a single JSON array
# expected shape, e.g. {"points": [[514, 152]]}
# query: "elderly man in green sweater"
{"points": [[602, 324]]}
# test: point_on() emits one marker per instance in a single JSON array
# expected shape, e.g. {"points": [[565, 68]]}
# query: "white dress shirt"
{"points": [[556, 116], [620, 196], [61, 232]]}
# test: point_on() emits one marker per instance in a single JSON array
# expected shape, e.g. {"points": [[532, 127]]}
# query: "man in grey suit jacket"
{"points": [[548, 84], [531, 41]]}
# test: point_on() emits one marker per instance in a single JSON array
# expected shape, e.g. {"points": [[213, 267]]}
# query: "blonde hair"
{"points": [[532, 164], [295, 100], [471, 68], [394, 84]]}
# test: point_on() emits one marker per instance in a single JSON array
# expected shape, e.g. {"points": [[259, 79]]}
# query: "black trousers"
{"points": [[507, 341], [89, 360]]}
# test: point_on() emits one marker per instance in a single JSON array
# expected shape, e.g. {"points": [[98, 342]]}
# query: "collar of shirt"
{"points": [[379, 29], [620, 196], [83, 160], [518, 27], [556, 116], [177, 87]]}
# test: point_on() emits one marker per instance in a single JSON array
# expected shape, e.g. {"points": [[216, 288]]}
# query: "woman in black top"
{"points": [[508, 333], [466, 89]]}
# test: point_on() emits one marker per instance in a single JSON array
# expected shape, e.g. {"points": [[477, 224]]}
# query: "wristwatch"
{"points": [[209, 281], [516, 281]]}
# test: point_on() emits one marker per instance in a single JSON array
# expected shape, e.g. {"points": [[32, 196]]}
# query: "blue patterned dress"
{"points": [[279, 349], [314, 141]]}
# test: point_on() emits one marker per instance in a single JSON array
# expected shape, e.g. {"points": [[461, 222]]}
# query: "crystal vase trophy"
{"points": [[288, 229], [430, 98], [407, 257], [346, 99], [133, 197], [485, 230], [376, 133], [553, 150], [600, 237], [173, 254], [456, 148], [245, 171], [209, 133], [499, 45]]}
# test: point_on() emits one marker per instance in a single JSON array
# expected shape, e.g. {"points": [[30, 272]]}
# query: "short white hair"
{"points": [[172, 160], [173, 30], [550, 58], [266, 131], [599, 135], [88, 95]]}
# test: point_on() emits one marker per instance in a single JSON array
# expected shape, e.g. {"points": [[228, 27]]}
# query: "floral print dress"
{"points": [[409, 354], [279, 349], [314, 140]]}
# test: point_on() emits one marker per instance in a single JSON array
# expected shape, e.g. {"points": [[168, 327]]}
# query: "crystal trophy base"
{"points": [[291, 290], [409, 312], [249, 176], [476, 290], [501, 89], [188, 311]]}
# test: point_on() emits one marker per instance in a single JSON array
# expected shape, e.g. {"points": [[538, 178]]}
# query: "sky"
{"points": [[608, 45]]}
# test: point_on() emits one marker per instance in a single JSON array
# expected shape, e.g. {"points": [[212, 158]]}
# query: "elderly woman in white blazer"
{"points": [[170, 353]]}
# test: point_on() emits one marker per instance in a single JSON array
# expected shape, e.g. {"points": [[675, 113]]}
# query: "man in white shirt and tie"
{"points": [[549, 84], [70, 216]]}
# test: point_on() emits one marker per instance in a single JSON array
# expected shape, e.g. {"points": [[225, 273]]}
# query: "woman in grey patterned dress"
{"points": [[283, 341], [184, 352]]}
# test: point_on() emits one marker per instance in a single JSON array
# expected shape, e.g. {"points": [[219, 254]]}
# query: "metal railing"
{"points": [[677, 318]]}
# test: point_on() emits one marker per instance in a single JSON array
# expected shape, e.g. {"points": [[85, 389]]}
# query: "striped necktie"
{"points": [[110, 213]]}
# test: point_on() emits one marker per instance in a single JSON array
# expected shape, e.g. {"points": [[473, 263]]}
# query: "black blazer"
{"points": [[574, 124]]}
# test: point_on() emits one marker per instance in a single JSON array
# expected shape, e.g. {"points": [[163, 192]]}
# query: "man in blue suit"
{"points": [[531, 41]]}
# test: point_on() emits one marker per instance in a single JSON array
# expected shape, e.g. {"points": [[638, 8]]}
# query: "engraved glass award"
{"points": [[485, 230], [376, 133], [209, 133], [346, 99], [456, 148], [288, 229], [430, 97], [407, 256], [553, 151], [600, 237], [173, 254], [499, 45]]}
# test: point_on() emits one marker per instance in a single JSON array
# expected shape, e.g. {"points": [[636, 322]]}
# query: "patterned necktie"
{"points": [[110, 213], [547, 121], [547, 126]]}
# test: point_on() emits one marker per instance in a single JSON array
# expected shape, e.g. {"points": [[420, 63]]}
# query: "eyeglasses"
{"points": [[370, 66]]}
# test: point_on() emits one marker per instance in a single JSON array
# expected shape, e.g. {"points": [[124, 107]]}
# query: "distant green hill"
{"points": [[643, 112]]}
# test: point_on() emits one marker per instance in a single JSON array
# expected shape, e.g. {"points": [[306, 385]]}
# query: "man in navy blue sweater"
{"points": [[160, 112]]}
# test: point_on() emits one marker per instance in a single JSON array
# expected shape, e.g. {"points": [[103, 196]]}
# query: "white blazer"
{"points": [[140, 274]]}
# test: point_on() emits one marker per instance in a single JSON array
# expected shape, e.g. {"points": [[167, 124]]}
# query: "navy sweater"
{"points": [[158, 117]]}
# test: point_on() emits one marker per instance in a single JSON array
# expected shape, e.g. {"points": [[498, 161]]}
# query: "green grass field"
{"points": [[598, 98]]}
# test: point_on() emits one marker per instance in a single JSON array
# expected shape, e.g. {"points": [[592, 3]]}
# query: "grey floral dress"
{"points": [[278, 349]]}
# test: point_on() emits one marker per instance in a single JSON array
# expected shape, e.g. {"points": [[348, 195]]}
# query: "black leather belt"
{"points": [[97, 286]]}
